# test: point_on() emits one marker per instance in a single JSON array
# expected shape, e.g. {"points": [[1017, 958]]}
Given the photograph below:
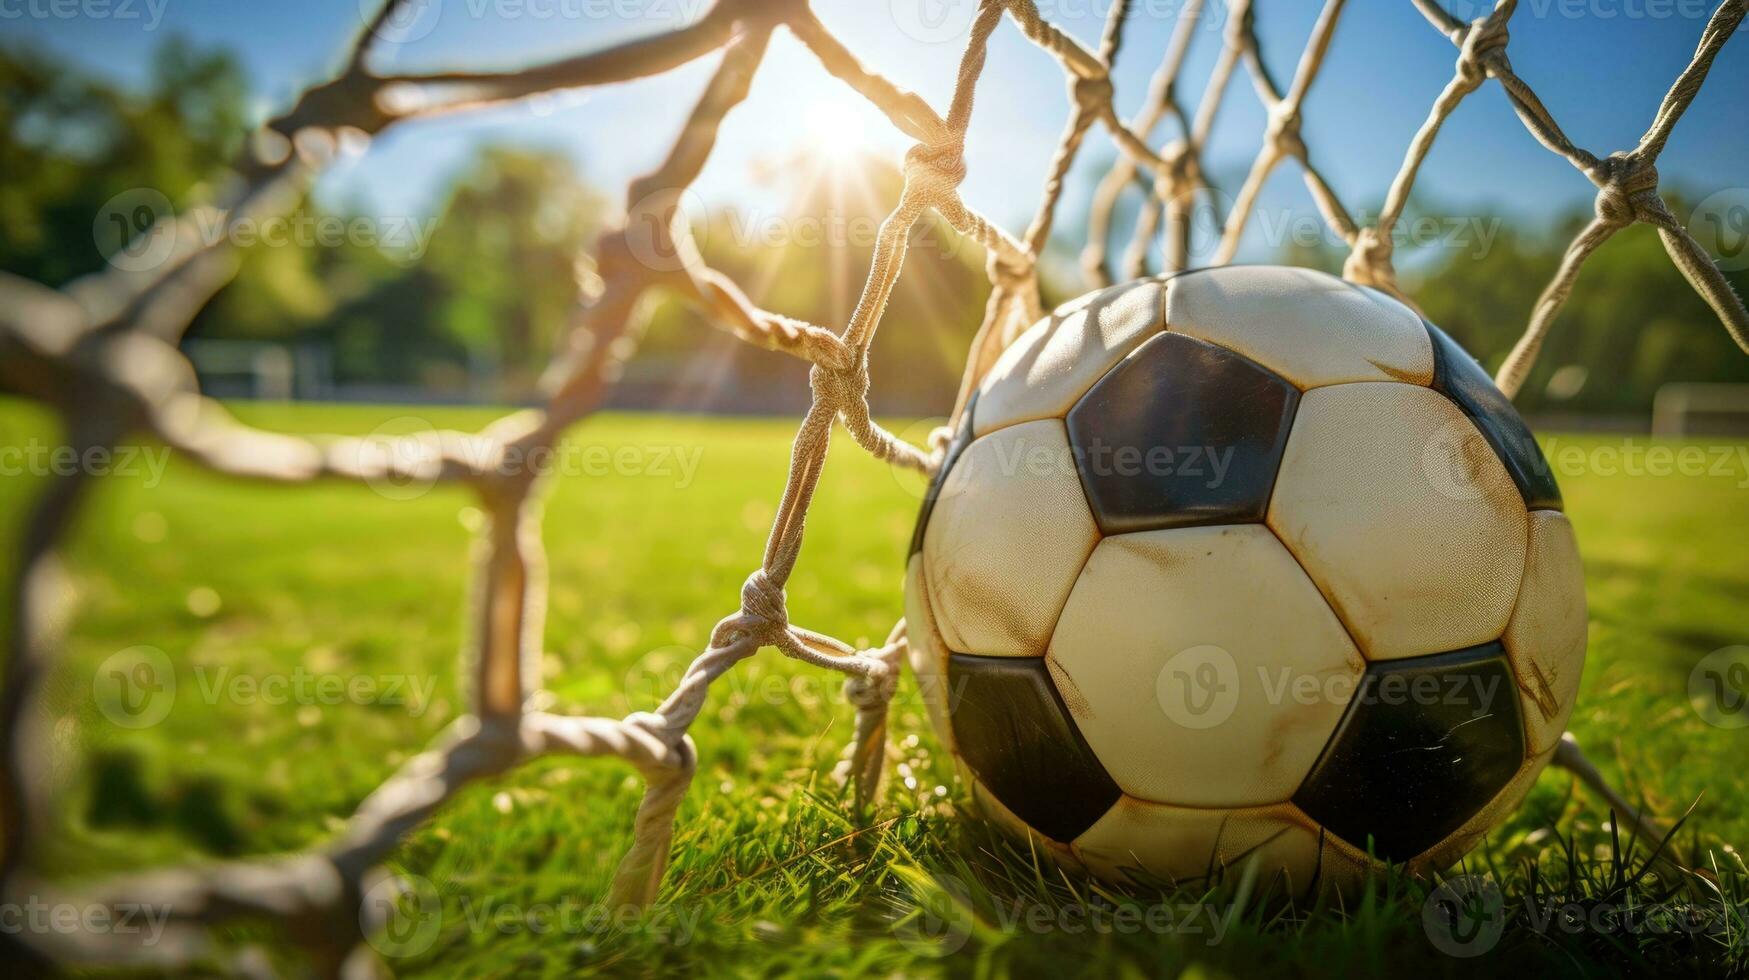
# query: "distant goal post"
{"points": [[1695, 409]]}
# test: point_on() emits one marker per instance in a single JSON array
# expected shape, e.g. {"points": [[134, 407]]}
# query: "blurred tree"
{"points": [[484, 302], [495, 287], [70, 142], [506, 251], [1632, 324]]}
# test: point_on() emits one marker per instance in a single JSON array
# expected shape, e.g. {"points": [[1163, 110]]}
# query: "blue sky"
{"points": [[1601, 65]]}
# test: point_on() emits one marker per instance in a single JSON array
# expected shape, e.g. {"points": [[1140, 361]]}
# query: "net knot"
{"points": [[873, 689], [935, 169], [1182, 173], [1627, 189], [939, 439], [1008, 275], [1092, 94], [1369, 263], [1283, 131], [1483, 50], [763, 610], [840, 387]]}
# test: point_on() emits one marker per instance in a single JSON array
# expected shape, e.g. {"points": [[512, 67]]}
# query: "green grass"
{"points": [[772, 872]]}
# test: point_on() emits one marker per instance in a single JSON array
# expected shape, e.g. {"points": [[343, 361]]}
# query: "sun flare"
{"points": [[835, 129]]}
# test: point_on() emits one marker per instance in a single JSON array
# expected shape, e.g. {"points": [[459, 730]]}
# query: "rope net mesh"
{"points": [[103, 353]]}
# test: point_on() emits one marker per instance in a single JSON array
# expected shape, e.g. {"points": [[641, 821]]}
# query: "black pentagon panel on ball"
{"points": [[1015, 733], [962, 437], [1182, 432], [1424, 745], [1458, 376]]}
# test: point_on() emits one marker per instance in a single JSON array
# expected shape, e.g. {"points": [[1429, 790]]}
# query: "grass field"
{"points": [[772, 871]]}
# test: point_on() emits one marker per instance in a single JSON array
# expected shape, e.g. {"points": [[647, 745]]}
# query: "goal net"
{"points": [[103, 353]]}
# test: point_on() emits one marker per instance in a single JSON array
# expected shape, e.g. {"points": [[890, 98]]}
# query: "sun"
{"points": [[835, 129]]}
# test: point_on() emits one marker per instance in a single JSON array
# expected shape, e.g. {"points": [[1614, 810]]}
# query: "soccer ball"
{"points": [[1245, 564]]}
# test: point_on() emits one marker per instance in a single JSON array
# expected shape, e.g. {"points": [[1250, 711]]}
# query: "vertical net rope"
{"points": [[102, 353]]}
